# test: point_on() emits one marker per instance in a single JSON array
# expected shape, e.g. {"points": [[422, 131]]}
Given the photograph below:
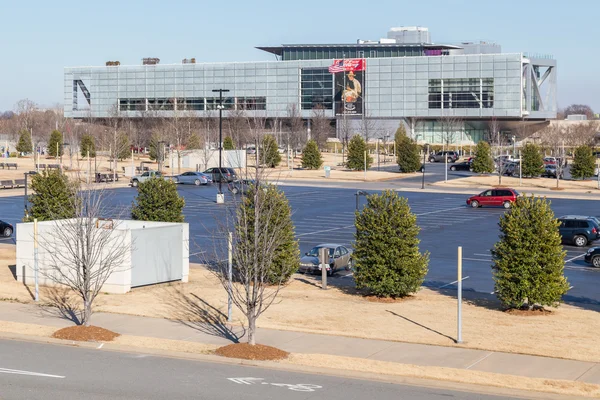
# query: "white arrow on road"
{"points": [[29, 373]]}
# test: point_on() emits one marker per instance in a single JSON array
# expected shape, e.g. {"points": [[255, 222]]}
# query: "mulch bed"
{"points": [[248, 352], [536, 311], [82, 333]]}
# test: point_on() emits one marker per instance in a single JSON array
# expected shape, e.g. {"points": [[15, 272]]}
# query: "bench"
{"points": [[10, 165], [106, 178], [19, 183], [53, 166], [40, 166], [7, 184]]}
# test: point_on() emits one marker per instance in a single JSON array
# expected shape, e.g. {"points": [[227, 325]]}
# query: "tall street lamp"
{"points": [[220, 107], [425, 145]]}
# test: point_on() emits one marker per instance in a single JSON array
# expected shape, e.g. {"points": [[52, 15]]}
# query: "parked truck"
{"points": [[137, 179]]}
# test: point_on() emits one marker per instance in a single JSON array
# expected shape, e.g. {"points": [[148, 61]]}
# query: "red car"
{"points": [[494, 197]]}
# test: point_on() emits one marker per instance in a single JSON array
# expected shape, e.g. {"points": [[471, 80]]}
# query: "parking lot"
{"points": [[327, 215]]}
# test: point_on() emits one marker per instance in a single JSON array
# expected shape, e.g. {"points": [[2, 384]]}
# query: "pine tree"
{"points": [[24, 145], [123, 146], [386, 252], [311, 156], [55, 143], [54, 197], [86, 144], [532, 162], [158, 200], [356, 153], [274, 211], [154, 151], [228, 143], [483, 162], [583, 163], [193, 142], [407, 150], [528, 260], [269, 154]]}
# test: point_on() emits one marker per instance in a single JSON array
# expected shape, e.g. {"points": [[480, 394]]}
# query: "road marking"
{"points": [[439, 211], [325, 230], [485, 255], [575, 258], [29, 373], [452, 283], [477, 259], [245, 381], [299, 387], [481, 359], [99, 347]]}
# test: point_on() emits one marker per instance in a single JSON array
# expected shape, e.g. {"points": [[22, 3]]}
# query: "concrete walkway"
{"points": [[298, 342]]}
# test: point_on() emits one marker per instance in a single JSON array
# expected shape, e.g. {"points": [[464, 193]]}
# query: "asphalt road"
{"points": [[327, 215], [42, 371]]}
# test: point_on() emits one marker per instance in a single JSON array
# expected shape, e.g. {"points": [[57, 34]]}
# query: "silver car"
{"points": [[193, 178], [340, 257]]}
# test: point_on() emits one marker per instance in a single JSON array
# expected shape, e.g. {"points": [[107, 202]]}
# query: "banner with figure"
{"points": [[349, 85]]}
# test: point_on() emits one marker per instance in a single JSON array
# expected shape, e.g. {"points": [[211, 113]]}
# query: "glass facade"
{"points": [[316, 88], [362, 51], [461, 93]]}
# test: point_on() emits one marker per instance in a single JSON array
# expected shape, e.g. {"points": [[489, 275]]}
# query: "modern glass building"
{"points": [[388, 83]]}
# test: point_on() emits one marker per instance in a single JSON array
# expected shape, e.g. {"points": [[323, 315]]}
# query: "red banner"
{"points": [[348, 64]]}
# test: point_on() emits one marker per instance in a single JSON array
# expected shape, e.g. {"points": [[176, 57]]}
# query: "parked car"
{"points": [[224, 175], [551, 171], [593, 257], [137, 179], [494, 197], [550, 161], [193, 178], [6, 229], [579, 230], [340, 257], [510, 169], [461, 166], [251, 150], [441, 156], [240, 186]]}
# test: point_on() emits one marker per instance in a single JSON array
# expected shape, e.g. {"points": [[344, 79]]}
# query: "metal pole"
{"points": [[423, 172], [132, 164], [365, 159], [597, 167], [229, 276], [25, 197], [324, 262], [377, 150], [35, 259], [446, 168], [459, 319], [89, 167], [356, 194], [520, 169]]}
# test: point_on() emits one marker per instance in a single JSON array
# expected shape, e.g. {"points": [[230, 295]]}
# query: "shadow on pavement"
{"points": [[194, 312], [60, 305]]}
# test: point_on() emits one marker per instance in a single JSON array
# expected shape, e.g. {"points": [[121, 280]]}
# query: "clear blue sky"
{"points": [[40, 37]]}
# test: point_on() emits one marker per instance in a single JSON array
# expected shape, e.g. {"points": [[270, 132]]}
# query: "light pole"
{"points": [[25, 199], [423, 167], [220, 107], [358, 194]]}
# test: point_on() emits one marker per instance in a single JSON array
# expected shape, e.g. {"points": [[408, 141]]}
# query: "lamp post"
{"points": [[25, 199], [358, 194], [423, 167], [160, 155], [220, 107]]}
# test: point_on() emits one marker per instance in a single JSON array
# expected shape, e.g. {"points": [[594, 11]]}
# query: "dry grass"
{"points": [[429, 317], [165, 344]]}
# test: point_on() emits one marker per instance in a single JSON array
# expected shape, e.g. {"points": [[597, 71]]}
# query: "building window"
{"points": [[316, 88], [251, 103], [461, 93], [132, 104]]}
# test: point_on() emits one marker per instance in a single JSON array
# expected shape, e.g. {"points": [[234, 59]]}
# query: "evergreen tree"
{"points": [[158, 200], [528, 260], [532, 162], [86, 144], [269, 154], [386, 252], [483, 162], [24, 145], [273, 211], [228, 143], [356, 151], [153, 147], [311, 156], [55, 144], [583, 165], [193, 142], [407, 156], [123, 146], [54, 197]]}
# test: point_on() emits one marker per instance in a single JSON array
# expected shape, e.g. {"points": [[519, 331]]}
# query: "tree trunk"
{"points": [[251, 328], [87, 312]]}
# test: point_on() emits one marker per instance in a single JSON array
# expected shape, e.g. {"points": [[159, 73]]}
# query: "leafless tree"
{"points": [[237, 127], [582, 133], [578, 109], [297, 131], [450, 127], [320, 126], [369, 126], [414, 124], [208, 137], [84, 251]]}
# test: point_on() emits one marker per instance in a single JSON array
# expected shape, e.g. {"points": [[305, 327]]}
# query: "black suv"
{"points": [[593, 257], [579, 230], [440, 156], [225, 175]]}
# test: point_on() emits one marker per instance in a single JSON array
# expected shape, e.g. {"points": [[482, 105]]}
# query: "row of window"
{"points": [[192, 104], [461, 93], [316, 88], [325, 53]]}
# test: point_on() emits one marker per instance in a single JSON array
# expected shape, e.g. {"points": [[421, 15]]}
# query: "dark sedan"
{"points": [[461, 166], [6, 229], [593, 257], [340, 258]]}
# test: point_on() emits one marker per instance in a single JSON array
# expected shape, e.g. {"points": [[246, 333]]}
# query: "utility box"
{"points": [[327, 171], [158, 252]]}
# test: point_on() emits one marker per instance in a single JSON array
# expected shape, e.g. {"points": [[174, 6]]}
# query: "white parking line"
{"points": [[452, 283], [477, 259], [575, 258]]}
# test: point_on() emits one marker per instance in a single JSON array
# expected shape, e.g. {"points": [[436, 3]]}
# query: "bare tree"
{"points": [[84, 251], [414, 124], [369, 126], [450, 126], [320, 126], [208, 137], [237, 127], [578, 109], [297, 135], [582, 133]]}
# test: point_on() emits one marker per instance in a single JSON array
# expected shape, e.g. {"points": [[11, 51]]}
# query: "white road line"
{"points": [[325, 230], [452, 283], [99, 347], [480, 360], [575, 258], [439, 211], [477, 259], [485, 255], [29, 373]]}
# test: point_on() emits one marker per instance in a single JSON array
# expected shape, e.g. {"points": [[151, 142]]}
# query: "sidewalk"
{"points": [[297, 342]]}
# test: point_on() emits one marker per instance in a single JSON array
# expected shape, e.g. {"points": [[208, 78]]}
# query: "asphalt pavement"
{"points": [[45, 371], [326, 214]]}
